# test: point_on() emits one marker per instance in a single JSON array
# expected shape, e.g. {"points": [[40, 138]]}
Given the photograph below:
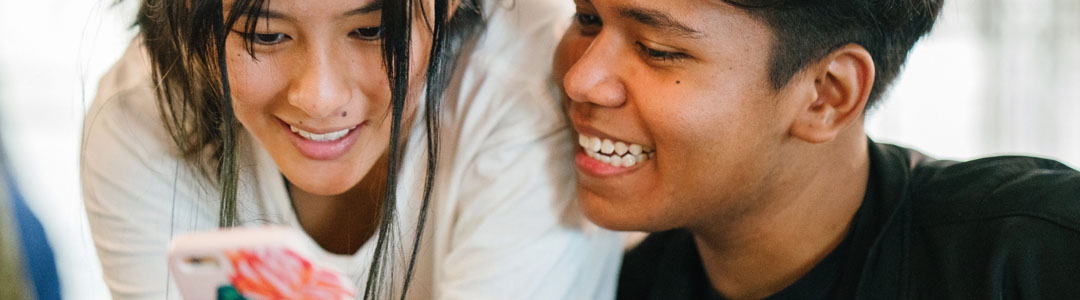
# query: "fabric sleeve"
{"points": [[136, 193], [1037, 220], [517, 230]]}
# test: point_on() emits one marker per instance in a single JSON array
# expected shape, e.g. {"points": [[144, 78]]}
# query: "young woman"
{"points": [[419, 143]]}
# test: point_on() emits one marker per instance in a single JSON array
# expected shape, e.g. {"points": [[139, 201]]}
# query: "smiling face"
{"points": [[685, 81], [315, 94]]}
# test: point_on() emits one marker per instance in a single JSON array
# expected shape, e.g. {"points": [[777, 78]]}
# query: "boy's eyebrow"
{"points": [[659, 20]]}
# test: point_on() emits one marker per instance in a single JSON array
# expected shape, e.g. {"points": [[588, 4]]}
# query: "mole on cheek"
{"points": [[344, 113], [678, 82]]}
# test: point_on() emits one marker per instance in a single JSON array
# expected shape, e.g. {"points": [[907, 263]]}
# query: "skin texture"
{"points": [[320, 69], [767, 180]]}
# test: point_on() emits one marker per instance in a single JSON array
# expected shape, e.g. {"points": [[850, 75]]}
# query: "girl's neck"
{"points": [[341, 224]]}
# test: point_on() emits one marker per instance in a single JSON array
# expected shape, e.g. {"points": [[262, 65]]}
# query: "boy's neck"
{"points": [[798, 223]]}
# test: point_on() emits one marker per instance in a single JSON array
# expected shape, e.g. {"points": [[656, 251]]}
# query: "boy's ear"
{"points": [[842, 81]]}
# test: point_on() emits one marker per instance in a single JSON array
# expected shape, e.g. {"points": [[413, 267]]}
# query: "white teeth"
{"points": [[615, 153], [629, 161], [325, 137], [620, 148], [607, 147]]}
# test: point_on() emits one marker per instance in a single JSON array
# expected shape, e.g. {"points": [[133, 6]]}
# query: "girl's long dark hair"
{"points": [[185, 41]]}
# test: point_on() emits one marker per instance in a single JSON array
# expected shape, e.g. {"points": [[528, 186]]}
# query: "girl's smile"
{"points": [[327, 145], [314, 92]]}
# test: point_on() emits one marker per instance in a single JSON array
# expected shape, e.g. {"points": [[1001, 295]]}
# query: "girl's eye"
{"points": [[268, 38], [587, 19], [367, 33], [659, 55], [589, 24]]}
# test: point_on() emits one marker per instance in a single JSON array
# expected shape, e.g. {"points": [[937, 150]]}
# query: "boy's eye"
{"points": [[268, 38], [659, 55], [367, 33]]}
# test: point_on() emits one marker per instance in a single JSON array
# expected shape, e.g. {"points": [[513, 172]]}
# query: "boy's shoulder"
{"points": [[1030, 188], [999, 225]]}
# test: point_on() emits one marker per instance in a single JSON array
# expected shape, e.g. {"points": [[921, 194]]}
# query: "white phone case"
{"points": [[256, 262]]}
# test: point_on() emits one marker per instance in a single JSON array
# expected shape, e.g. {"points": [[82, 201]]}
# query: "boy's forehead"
{"points": [[684, 18], [660, 20]]}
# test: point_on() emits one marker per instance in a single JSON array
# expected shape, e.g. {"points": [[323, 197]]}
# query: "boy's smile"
{"points": [[676, 120]]}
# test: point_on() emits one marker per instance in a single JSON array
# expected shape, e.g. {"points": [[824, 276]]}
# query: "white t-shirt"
{"points": [[503, 223]]}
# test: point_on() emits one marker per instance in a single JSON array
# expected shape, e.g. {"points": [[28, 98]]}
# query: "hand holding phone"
{"points": [[252, 263]]}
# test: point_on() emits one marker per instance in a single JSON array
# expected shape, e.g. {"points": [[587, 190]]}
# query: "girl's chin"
{"points": [[320, 185]]}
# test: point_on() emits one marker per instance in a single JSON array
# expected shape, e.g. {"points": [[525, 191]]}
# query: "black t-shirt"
{"points": [[666, 265], [994, 228]]}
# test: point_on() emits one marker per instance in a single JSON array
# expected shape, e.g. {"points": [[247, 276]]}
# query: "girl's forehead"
{"points": [[295, 10]]}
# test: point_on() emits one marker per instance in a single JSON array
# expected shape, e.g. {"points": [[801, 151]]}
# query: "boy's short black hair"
{"points": [[808, 30]]}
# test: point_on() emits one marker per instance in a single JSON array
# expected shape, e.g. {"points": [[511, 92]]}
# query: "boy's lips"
{"points": [[605, 156]]}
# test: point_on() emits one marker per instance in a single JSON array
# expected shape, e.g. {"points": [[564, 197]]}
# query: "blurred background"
{"points": [[994, 77]]}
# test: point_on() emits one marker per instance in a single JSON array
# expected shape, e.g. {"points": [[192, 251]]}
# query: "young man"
{"points": [[733, 131]]}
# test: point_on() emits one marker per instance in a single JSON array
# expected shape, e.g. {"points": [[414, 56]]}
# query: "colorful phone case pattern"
{"points": [[277, 273]]}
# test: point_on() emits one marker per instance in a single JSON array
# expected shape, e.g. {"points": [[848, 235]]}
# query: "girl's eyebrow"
{"points": [[373, 6]]}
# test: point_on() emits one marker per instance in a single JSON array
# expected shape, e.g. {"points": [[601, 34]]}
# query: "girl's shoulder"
{"points": [[125, 108], [519, 37], [503, 83]]}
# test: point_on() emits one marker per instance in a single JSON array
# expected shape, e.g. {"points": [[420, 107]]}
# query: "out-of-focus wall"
{"points": [[994, 77], [51, 55]]}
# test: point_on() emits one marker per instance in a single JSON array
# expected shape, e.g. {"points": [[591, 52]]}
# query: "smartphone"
{"points": [[252, 263]]}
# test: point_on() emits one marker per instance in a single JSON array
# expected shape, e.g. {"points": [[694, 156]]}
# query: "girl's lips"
{"points": [[323, 150]]}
